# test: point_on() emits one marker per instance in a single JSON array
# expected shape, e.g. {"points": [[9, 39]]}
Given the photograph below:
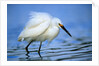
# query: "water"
{"points": [[65, 51], [77, 18]]}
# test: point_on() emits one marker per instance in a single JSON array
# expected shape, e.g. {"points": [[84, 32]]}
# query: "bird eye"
{"points": [[58, 23]]}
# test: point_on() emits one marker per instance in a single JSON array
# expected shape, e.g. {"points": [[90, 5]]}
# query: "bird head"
{"points": [[58, 23]]}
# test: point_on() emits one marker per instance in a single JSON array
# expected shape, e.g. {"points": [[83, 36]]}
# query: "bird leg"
{"points": [[26, 48], [39, 47]]}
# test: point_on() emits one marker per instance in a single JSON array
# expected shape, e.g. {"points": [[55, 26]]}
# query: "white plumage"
{"points": [[41, 26]]}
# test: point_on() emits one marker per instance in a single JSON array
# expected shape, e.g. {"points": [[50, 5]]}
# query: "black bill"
{"points": [[66, 31]]}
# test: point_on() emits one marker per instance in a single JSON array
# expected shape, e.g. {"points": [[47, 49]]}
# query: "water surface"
{"points": [[60, 51]]}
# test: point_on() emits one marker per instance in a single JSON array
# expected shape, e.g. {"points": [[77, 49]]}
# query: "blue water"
{"points": [[77, 18]]}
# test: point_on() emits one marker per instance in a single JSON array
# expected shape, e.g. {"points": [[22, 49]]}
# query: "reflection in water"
{"points": [[27, 54], [40, 55]]}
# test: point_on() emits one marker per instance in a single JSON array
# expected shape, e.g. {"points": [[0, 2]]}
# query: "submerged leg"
{"points": [[26, 48], [39, 50], [39, 47]]}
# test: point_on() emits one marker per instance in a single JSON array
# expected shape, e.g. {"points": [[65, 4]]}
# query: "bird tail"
{"points": [[20, 39]]}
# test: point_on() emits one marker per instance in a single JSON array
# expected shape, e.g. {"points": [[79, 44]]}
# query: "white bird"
{"points": [[41, 26]]}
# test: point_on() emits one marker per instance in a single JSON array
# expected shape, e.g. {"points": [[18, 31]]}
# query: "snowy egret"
{"points": [[41, 26]]}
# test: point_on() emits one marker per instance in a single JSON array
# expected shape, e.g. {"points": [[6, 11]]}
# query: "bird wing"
{"points": [[37, 25], [37, 18]]}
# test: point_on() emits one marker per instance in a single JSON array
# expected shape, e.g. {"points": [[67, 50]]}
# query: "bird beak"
{"points": [[65, 29]]}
